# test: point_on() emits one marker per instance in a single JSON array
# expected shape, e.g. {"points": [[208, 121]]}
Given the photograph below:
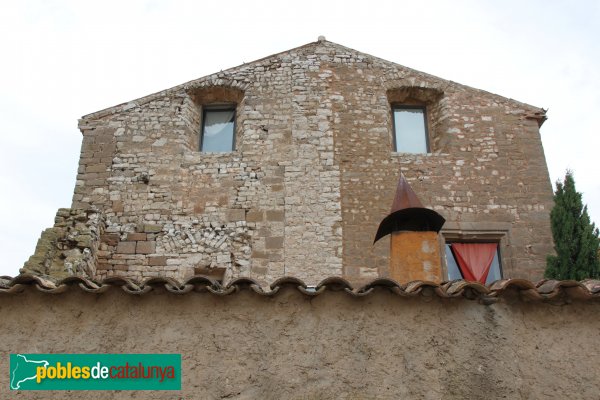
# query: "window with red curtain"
{"points": [[478, 262]]}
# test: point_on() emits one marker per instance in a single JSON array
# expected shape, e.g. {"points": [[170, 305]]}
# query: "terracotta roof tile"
{"points": [[546, 290]]}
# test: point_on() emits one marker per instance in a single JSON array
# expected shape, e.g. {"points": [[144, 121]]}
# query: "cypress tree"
{"points": [[575, 236]]}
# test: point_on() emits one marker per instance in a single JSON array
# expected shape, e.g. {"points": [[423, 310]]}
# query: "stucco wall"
{"points": [[290, 346]]}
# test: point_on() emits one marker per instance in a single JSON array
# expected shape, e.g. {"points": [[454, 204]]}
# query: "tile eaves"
{"points": [[545, 290]]}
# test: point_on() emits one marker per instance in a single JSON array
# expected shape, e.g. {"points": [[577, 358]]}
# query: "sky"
{"points": [[64, 59]]}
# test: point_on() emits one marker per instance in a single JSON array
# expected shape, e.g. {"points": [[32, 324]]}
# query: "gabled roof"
{"points": [[225, 78]]}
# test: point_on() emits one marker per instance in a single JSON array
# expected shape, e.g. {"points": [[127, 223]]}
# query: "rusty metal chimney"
{"points": [[414, 251]]}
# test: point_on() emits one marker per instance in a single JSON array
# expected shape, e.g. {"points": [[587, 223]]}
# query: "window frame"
{"points": [[401, 106], [480, 232], [218, 107], [449, 242]]}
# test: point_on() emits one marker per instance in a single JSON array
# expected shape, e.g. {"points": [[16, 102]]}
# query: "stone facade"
{"points": [[312, 174]]}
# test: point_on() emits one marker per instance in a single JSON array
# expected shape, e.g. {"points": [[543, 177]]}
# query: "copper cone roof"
{"points": [[408, 214]]}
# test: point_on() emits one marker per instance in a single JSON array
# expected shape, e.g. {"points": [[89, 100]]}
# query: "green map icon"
{"points": [[23, 369]]}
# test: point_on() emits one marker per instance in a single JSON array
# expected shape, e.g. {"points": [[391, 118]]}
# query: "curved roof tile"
{"points": [[542, 291]]}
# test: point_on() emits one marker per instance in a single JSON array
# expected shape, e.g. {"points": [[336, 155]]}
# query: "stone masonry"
{"points": [[312, 174], [70, 247]]}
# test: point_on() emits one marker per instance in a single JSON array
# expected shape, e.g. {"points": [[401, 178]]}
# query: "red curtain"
{"points": [[474, 259]]}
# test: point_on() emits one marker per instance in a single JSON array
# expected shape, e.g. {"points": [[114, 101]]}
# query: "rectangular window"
{"points": [[218, 130], [410, 130], [479, 262]]}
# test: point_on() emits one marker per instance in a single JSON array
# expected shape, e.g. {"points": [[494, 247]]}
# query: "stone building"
{"points": [[285, 166]]}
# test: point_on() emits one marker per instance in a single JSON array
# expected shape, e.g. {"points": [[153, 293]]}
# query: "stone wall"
{"points": [[313, 172], [70, 247], [291, 346]]}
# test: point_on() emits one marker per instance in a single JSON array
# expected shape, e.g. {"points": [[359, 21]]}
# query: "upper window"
{"points": [[479, 262], [410, 129], [218, 130]]}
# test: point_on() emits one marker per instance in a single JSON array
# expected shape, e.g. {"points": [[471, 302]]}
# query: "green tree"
{"points": [[575, 236]]}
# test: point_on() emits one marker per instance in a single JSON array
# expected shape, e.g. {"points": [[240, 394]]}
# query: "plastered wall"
{"points": [[246, 346]]}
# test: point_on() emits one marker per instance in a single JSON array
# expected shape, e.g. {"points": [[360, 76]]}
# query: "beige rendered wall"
{"points": [[290, 346]]}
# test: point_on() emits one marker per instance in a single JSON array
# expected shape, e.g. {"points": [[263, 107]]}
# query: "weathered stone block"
{"points": [[223, 258], [145, 247], [259, 271], [103, 253], [95, 168], [198, 208], [63, 212], [275, 256], [274, 242], [126, 247], [236, 215], [111, 239], [259, 254], [136, 236], [117, 206], [148, 228], [275, 215], [254, 216], [84, 240], [157, 260]]}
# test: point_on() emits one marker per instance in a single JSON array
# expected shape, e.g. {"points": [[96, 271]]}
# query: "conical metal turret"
{"points": [[408, 214]]}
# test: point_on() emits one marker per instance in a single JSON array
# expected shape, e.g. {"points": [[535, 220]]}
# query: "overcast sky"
{"points": [[65, 59]]}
